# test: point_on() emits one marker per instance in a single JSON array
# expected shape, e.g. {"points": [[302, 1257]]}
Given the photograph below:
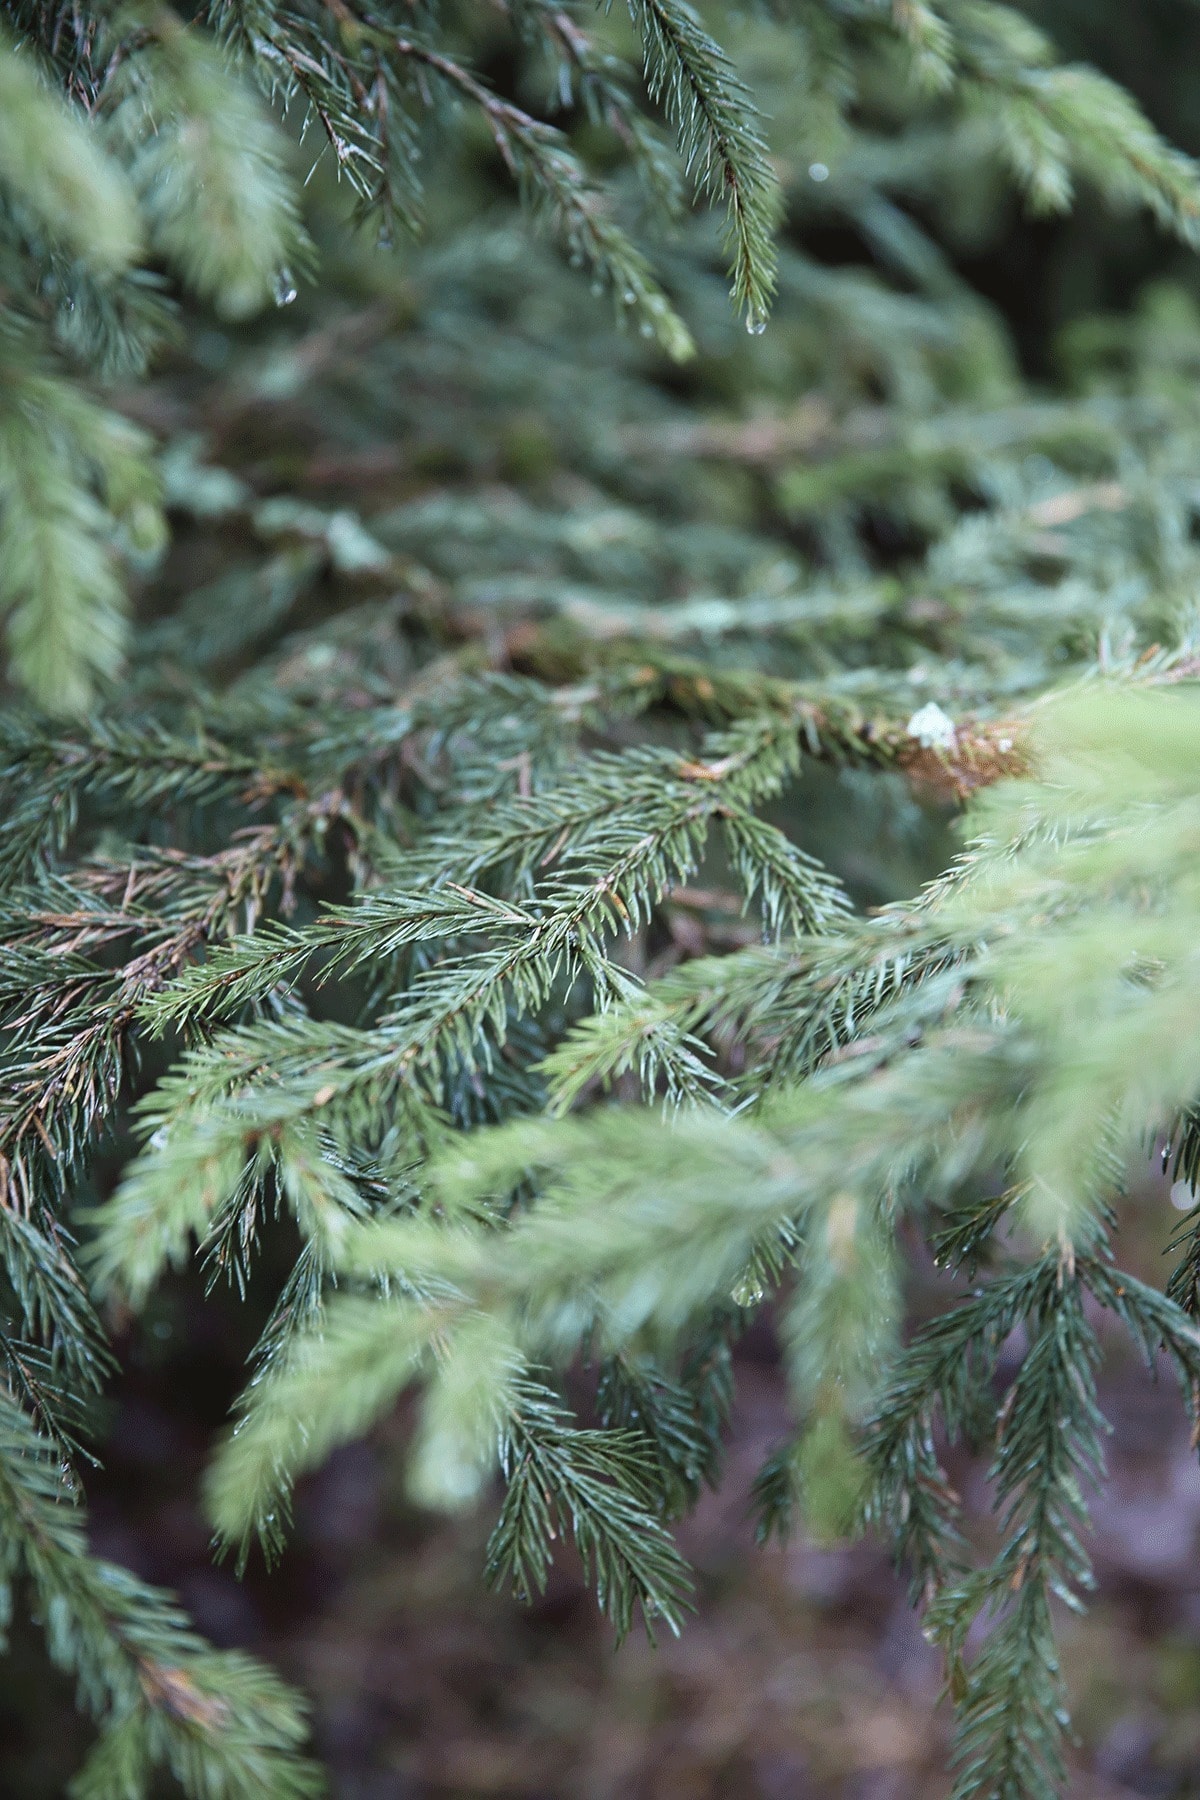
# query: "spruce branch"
{"points": [[57, 175], [221, 1723], [207, 167], [719, 138]]}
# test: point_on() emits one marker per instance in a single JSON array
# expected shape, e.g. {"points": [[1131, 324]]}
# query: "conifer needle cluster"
{"points": [[454, 874]]}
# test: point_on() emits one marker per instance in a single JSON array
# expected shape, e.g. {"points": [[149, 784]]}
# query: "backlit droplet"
{"points": [[283, 286], [755, 324], [818, 172], [749, 1291]]}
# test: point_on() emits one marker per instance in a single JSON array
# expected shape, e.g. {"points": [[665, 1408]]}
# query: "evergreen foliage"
{"points": [[386, 871]]}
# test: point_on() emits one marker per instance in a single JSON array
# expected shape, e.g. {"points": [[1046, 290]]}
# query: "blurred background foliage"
{"points": [[452, 451]]}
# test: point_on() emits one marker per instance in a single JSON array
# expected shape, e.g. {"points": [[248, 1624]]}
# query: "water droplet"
{"points": [[597, 288], [629, 297], [646, 328], [749, 1291], [818, 171], [283, 286], [385, 240], [755, 324], [1182, 1197]]}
